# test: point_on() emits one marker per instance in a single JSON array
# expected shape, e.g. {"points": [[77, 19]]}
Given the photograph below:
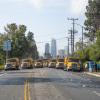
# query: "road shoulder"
{"points": [[93, 74]]}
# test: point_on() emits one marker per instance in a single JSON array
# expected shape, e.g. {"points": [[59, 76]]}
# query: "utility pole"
{"points": [[82, 34], [71, 40], [73, 31], [68, 45], [82, 38]]}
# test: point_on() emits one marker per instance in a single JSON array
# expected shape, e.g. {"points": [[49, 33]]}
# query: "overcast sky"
{"points": [[46, 18]]}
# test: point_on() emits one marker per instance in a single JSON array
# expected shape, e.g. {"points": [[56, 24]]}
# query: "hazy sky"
{"points": [[46, 18]]}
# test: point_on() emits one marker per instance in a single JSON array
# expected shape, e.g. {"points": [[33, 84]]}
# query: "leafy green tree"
{"points": [[2, 53], [22, 46], [92, 22], [80, 46], [32, 45], [98, 38]]}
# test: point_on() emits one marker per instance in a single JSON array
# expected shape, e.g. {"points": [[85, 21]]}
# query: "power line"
{"points": [[50, 41], [82, 34], [73, 31], [52, 34]]}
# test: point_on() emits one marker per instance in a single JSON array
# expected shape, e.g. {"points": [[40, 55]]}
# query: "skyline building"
{"points": [[47, 50], [53, 48]]}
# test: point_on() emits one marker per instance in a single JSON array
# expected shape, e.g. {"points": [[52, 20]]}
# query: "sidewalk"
{"points": [[97, 74]]}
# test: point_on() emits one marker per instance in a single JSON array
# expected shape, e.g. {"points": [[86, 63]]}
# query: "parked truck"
{"points": [[52, 63], [45, 62], [60, 63], [12, 63], [72, 63], [39, 63], [27, 63]]}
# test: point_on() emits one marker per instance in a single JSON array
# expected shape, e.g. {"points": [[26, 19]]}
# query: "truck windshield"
{"points": [[39, 61], [25, 60], [60, 60], [11, 60], [53, 60], [73, 60], [8, 65]]}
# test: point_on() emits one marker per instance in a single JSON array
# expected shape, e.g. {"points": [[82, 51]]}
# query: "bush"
{"points": [[1, 67]]}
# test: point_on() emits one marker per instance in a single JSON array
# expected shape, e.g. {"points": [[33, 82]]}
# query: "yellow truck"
{"points": [[45, 62], [27, 63], [38, 64], [73, 64], [60, 64], [33, 63], [12, 63], [52, 63]]}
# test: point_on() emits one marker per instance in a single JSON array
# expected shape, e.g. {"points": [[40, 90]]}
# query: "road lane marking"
{"points": [[98, 94], [29, 98], [27, 90], [3, 74], [92, 74]]}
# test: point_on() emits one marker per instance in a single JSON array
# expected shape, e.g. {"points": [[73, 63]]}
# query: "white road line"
{"points": [[92, 74], [98, 94], [2, 74]]}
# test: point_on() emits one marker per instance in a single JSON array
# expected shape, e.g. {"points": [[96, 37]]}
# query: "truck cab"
{"points": [[27, 63], [45, 62], [38, 64], [60, 64], [72, 64], [12, 63], [52, 63]]}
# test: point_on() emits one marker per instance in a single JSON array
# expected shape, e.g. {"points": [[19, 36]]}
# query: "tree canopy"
{"points": [[91, 50], [23, 43]]}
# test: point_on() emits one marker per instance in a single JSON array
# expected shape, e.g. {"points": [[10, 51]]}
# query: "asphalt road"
{"points": [[48, 84]]}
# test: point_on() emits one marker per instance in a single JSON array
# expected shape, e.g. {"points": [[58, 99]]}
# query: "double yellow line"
{"points": [[27, 90]]}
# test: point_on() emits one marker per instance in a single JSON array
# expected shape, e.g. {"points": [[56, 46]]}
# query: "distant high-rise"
{"points": [[53, 48], [47, 50]]}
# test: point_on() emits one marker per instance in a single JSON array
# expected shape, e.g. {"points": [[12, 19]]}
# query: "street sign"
{"points": [[7, 46]]}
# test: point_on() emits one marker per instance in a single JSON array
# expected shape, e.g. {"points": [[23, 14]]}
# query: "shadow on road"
{"points": [[21, 80], [74, 83]]}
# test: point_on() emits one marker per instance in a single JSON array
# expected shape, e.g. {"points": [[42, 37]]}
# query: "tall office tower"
{"points": [[53, 48], [47, 50]]}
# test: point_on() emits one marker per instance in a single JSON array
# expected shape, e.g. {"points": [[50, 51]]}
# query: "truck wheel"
{"points": [[5, 69], [17, 67]]}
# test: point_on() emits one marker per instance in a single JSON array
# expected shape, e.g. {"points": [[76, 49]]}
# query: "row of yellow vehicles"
{"points": [[15, 63], [67, 63]]}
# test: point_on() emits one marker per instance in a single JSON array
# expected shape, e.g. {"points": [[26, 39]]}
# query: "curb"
{"points": [[92, 74]]}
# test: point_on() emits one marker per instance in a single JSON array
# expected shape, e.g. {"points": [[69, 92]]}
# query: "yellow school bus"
{"points": [[72, 63]]}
